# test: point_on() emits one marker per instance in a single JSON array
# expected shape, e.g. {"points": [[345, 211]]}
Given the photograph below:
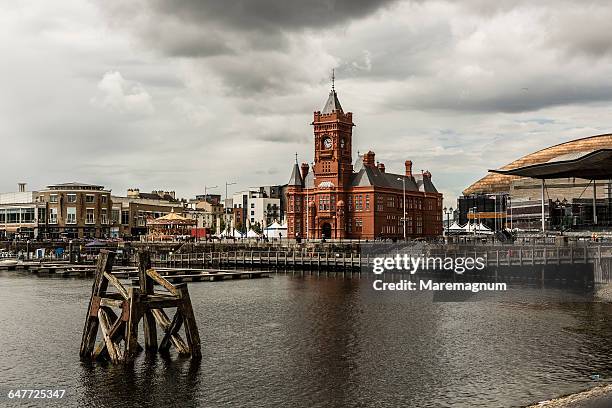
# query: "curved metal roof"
{"points": [[500, 182], [593, 165]]}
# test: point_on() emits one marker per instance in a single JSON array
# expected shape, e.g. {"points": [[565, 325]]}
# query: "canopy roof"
{"points": [[592, 165], [274, 226], [172, 218], [455, 227], [252, 234]]}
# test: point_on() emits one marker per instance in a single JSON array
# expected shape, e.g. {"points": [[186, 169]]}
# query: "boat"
{"points": [[8, 261]]}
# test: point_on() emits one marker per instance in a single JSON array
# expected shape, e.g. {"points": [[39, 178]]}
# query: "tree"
{"points": [[256, 226]]}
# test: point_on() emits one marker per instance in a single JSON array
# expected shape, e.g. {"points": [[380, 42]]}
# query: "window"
{"points": [[125, 217], [324, 203], [2, 216], [358, 224], [52, 215], [115, 215], [89, 216], [89, 198], [104, 216], [104, 199], [27, 215], [71, 215], [12, 215], [72, 198], [367, 197], [53, 198], [42, 214], [359, 202]]}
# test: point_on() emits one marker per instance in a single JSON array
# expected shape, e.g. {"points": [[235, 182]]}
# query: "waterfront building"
{"points": [[568, 202], [253, 208], [208, 214], [131, 212], [19, 214], [341, 199], [75, 210]]}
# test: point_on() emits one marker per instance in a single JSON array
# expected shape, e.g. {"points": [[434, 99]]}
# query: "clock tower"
{"points": [[333, 133]]}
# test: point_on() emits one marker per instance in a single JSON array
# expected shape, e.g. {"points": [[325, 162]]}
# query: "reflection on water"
{"points": [[318, 341]]}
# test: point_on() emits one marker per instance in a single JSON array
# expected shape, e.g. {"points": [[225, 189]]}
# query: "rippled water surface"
{"points": [[317, 341]]}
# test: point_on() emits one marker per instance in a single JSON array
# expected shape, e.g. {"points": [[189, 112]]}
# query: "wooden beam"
{"points": [[131, 330], [90, 330], [147, 287], [118, 285], [191, 327], [173, 328], [111, 347], [164, 321], [162, 281]]}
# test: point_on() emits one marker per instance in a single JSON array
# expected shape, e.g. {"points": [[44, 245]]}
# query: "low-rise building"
{"points": [[19, 214], [75, 210], [131, 212], [252, 208]]}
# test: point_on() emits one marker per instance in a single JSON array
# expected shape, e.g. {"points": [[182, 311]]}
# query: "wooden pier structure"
{"points": [[254, 263], [119, 329]]}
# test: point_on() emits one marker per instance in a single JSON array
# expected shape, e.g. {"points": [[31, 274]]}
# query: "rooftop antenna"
{"points": [[333, 78], [296, 158]]}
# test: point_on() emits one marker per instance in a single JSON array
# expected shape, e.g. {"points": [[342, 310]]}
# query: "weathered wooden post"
{"points": [[147, 288], [136, 304]]}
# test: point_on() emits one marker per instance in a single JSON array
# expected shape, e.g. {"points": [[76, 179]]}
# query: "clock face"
{"points": [[327, 143]]}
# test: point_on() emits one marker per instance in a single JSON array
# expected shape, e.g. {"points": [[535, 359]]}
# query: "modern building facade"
{"points": [[341, 199], [19, 214], [253, 208], [568, 202]]}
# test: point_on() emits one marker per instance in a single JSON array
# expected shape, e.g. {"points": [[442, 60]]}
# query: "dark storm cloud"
{"points": [[193, 28], [289, 15]]}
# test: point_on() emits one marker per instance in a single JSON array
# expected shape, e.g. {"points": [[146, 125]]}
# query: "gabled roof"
{"points": [[372, 176], [332, 104]]}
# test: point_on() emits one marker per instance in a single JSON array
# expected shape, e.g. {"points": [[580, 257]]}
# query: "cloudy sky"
{"points": [[162, 94]]}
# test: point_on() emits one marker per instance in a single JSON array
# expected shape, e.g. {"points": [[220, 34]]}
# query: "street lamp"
{"points": [[206, 188], [228, 184], [448, 213], [308, 203], [403, 179]]}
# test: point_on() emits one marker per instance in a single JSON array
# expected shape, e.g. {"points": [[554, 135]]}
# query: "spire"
{"points": [[296, 178], [332, 104], [333, 78]]}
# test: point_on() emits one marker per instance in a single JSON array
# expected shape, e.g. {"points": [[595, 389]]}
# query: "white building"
{"points": [[19, 214], [257, 208]]}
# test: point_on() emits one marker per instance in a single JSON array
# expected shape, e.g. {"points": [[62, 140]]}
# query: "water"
{"points": [[316, 341]]}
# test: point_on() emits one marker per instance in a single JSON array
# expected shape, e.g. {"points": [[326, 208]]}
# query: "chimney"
{"points": [[381, 167], [368, 159], [427, 175], [133, 192], [22, 187], [304, 170], [408, 168]]}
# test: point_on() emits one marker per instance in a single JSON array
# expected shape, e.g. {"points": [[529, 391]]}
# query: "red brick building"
{"points": [[338, 199]]}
